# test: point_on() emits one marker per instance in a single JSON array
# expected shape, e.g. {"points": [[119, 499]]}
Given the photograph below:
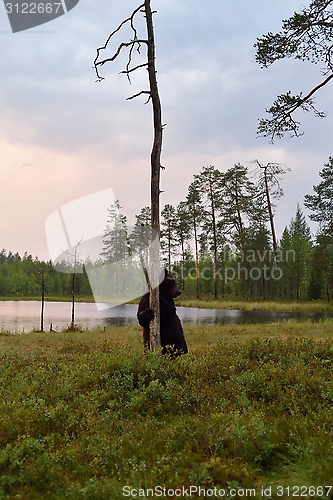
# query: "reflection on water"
{"points": [[229, 317], [19, 316]]}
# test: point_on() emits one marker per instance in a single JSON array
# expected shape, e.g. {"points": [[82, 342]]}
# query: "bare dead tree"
{"points": [[269, 185], [75, 264], [153, 95], [40, 277]]}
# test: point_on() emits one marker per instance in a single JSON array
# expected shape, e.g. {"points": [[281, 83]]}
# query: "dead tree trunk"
{"points": [[74, 256], [40, 277], [271, 219], [194, 207], [39, 274], [43, 299], [155, 159], [73, 301], [195, 229], [212, 206], [269, 183]]}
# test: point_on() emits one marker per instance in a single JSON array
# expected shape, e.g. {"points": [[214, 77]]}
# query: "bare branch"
{"points": [[148, 99], [129, 60], [130, 19], [119, 27], [116, 54], [133, 69], [138, 94]]}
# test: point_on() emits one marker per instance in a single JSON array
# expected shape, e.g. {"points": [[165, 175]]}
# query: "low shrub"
{"points": [[82, 422]]}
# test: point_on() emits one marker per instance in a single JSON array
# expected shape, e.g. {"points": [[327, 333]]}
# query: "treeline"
{"points": [[25, 276], [220, 242]]}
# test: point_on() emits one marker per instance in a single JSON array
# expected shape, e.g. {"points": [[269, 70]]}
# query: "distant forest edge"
{"points": [[220, 242]]}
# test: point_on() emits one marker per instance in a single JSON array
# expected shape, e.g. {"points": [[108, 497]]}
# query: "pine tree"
{"points": [[116, 247], [183, 231], [195, 210], [208, 182], [168, 232], [306, 36], [321, 203], [300, 254]]}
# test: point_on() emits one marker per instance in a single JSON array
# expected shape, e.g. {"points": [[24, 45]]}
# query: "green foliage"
{"points": [[282, 120], [21, 278], [320, 203], [321, 283], [233, 256], [306, 36], [86, 419], [115, 237], [169, 226], [297, 250]]}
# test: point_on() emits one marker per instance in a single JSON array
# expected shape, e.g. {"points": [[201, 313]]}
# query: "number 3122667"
{"points": [[33, 8]]}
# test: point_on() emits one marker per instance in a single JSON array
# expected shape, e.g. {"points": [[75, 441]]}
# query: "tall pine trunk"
{"points": [[196, 256], [155, 338], [214, 236], [271, 219], [43, 299], [155, 159]]}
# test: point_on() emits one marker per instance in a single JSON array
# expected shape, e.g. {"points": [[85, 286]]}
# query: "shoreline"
{"points": [[224, 304]]}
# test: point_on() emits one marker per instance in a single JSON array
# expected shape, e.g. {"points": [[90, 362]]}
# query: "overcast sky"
{"points": [[63, 136]]}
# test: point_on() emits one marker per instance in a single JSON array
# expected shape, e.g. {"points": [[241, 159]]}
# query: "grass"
{"points": [[84, 414], [48, 298], [262, 305]]}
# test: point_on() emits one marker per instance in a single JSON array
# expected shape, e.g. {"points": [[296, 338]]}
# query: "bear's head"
{"points": [[168, 287]]}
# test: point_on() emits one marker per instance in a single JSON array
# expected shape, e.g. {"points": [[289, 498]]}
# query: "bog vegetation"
{"points": [[85, 414]]}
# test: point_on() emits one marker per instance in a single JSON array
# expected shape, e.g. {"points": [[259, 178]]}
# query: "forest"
{"points": [[220, 242]]}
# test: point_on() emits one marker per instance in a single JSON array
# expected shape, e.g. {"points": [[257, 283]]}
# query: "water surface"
{"points": [[23, 316]]}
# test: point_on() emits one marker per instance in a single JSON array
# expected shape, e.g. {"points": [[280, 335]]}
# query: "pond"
{"points": [[24, 316]]}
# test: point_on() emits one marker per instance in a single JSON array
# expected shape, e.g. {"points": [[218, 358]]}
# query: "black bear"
{"points": [[172, 335]]}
